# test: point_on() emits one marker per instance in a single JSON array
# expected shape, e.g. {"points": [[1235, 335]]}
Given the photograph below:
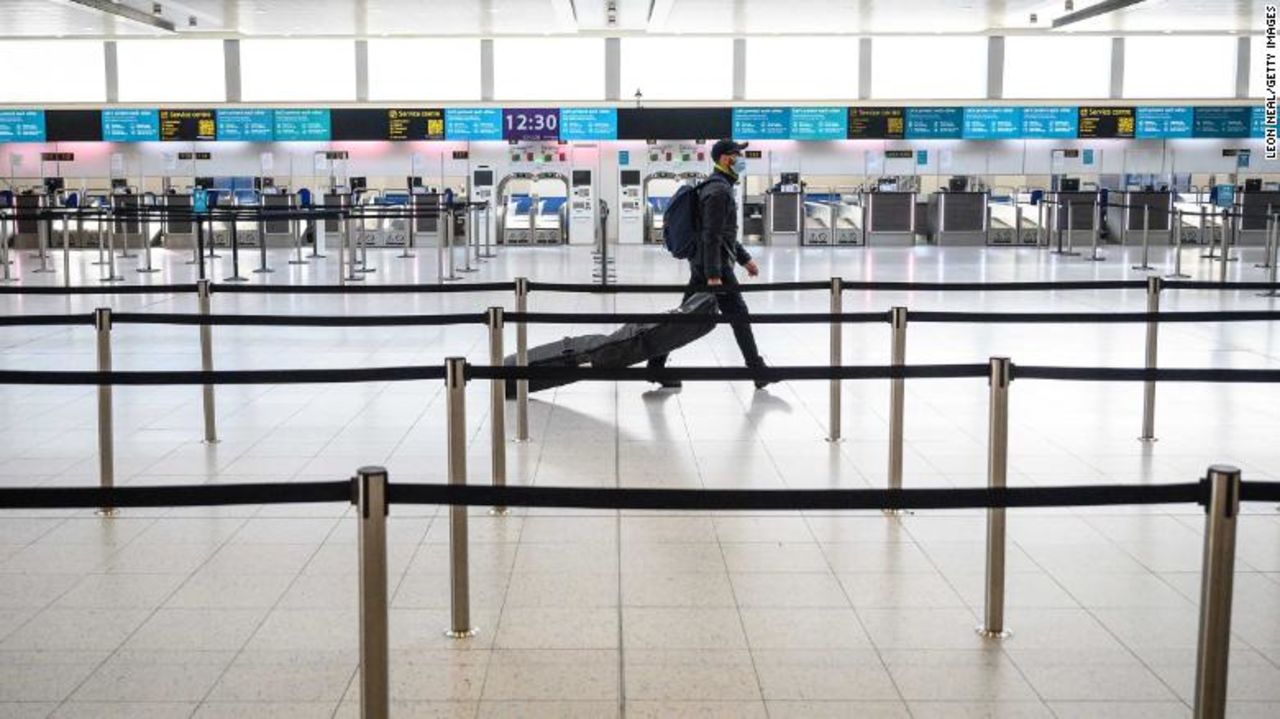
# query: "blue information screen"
{"points": [[302, 126], [131, 125], [992, 123], [472, 123], [819, 123], [1258, 126], [761, 123], [1162, 122], [1050, 122], [934, 123], [530, 123], [1223, 121], [22, 126], [588, 123], [246, 125]]}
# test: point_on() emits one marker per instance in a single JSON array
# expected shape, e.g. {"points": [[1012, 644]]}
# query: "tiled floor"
{"points": [[250, 611]]}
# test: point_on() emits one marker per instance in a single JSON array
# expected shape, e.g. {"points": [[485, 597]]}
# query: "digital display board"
{"points": [[73, 125], [418, 123], [530, 123], [1049, 122], [188, 125], [246, 125], [1259, 124], [473, 123], [1163, 122], [22, 126], [761, 123], [302, 125], [935, 123], [588, 123], [130, 125], [1106, 122], [675, 123], [992, 123], [877, 123], [819, 123], [1222, 122]]}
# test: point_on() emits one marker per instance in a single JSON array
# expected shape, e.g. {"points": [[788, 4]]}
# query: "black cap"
{"points": [[724, 147]]}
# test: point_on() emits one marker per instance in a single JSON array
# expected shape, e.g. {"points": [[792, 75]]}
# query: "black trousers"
{"points": [[730, 304]]}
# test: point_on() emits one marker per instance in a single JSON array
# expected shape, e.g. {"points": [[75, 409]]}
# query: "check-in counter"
{"points": [[1152, 210], [1074, 212], [891, 218], [1253, 225], [959, 218], [784, 218]]}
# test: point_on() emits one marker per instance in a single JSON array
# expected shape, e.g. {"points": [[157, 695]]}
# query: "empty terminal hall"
{"points": [[639, 359]]}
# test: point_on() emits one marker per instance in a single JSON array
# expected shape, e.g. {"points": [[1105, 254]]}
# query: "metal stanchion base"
{"points": [[405, 255], [832, 440], [467, 269], [299, 262], [1262, 265], [1145, 268], [42, 271], [105, 512], [263, 271], [237, 278], [354, 278], [314, 255], [517, 440], [147, 270], [499, 511], [210, 441], [367, 269], [489, 256], [464, 634], [7, 280], [100, 263], [1095, 258], [897, 512], [116, 278], [451, 278], [1148, 440], [988, 634], [1064, 253], [127, 256]]}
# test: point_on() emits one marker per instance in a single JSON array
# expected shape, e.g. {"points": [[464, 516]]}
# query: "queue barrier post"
{"points": [[362, 244], [263, 269], [837, 343], [371, 504], [497, 405], [450, 218], [1218, 569], [43, 228], [295, 229], [1146, 240], [466, 241], [1177, 247], [897, 395], [1212, 234], [459, 573], [102, 246], [145, 226], [1267, 251], [353, 274], [488, 240], [66, 251], [522, 360], [406, 252], [1094, 253], [106, 431], [993, 626], [235, 254], [440, 239], [5, 262], [1273, 255], [106, 253], [204, 292], [1154, 285], [1228, 232]]}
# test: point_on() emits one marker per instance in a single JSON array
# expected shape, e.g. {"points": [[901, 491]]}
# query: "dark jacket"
{"points": [[718, 247]]}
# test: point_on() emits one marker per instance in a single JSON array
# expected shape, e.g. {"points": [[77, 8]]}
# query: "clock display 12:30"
{"points": [[531, 123]]}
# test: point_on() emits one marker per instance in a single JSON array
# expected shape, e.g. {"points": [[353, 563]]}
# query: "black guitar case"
{"points": [[568, 352]]}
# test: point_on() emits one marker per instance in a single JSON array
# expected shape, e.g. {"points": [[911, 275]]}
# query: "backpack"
{"points": [[682, 221]]}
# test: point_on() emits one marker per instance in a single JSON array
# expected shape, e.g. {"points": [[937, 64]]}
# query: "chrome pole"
{"points": [[466, 242], [1212, 234], [1097, 232], [102, 247], [497, 404], [488, 240], [295, 228], [997, 478], [1274, 257], [66, 251], [406, 252], [204, 297], [897, 395], [353, 275], [1146, 238], [440, 239], [1228, 232], [522, 360], [1177, 247], [5, 226], [449, 241], [837, 343], [375, 659], [43, 228], [459, 575], [1154, 284], [106, 432], [146, 267], [262, 247], [1216, 588], [1266, 257]]}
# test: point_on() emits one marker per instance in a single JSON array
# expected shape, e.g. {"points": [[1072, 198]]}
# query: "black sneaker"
{"points": [[761, 383]]}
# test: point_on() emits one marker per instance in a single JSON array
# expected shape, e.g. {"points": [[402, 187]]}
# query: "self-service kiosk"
{"points": [[630, 208], [582, 208]]}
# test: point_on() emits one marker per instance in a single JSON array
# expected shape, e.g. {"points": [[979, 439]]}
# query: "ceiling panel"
{"points": [[536, 17]]}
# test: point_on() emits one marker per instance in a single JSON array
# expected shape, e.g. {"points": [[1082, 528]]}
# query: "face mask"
{"points": [[739, 166]]}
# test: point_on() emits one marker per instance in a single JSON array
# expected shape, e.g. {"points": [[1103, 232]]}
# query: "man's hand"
{"points": [[753, 269], [714, 281]]}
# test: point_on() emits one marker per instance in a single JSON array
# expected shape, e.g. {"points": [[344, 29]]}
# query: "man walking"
{"points": [[718, 249]]}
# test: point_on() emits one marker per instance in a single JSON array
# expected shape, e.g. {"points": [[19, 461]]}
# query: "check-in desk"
{"points": [[1074, 212], [891, 218], [958, 218], [1253, 225], [1155, 209]]}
